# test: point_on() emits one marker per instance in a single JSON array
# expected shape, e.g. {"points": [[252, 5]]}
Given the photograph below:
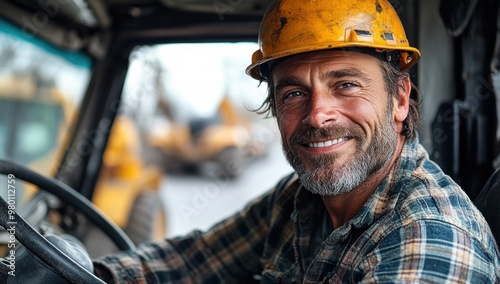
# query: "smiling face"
{"points": [[336, 118]]}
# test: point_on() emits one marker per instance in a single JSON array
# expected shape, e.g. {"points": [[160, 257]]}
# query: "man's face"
{"points": [[335, 118]]}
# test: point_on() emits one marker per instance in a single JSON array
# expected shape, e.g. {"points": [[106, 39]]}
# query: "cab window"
{"points": [[41, 88]]}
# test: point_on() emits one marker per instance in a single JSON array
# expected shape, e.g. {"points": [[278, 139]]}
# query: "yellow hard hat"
{"points": [[296, 26]]}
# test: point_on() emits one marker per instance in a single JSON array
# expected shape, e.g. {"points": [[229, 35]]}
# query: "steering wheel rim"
{"points": [[40, 246]]}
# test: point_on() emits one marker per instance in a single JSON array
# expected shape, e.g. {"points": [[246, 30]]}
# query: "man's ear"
{"points": [[402, 100]]}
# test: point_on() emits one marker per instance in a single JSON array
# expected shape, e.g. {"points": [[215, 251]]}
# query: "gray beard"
{"points": [[325, 181]]}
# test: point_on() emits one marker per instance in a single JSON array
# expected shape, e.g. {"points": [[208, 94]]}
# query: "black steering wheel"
{"points": [[39, 245]]}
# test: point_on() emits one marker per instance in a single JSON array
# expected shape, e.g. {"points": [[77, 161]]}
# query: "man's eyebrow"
{"points": [[288, 81], [342, 73], [333, 74]]}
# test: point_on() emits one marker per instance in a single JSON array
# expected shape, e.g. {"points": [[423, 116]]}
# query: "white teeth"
{"points": [[327, 143]]}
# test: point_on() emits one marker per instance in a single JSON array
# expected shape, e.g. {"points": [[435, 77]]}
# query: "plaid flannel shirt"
{"points": [[418, 226]]}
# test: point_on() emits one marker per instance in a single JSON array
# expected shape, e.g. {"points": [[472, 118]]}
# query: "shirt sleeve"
{"points": [[430, 251], [227, 252]]}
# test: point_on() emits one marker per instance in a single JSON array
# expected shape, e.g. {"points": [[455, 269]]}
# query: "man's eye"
{"points": [[293, 94], [347, 85]]}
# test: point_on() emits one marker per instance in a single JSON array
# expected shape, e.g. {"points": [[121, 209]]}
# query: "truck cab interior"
{"points": [[87, 49]]}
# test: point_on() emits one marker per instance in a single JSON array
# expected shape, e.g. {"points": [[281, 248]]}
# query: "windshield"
{"points": [[191, 104], [189, 81], [41, 88]]}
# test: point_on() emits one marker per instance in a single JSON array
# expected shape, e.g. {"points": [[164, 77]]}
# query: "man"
{"points": [[366, 204]]}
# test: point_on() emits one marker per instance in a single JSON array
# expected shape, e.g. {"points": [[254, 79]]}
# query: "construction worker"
{"points": [[365, 203]]}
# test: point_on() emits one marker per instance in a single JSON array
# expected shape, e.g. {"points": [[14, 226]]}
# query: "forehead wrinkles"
{"points": [[324, 66], [297, 70]]}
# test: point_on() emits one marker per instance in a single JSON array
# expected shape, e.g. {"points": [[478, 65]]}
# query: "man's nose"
{"points": [[322, 110]]}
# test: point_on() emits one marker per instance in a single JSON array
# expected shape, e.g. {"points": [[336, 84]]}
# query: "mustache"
{"points": [[311, 134]]}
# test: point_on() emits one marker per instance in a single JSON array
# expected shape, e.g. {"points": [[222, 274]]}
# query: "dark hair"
{"points": [[392, 80]]}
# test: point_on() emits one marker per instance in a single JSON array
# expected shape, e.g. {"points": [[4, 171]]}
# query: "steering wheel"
{"points": [[39, 245]]}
